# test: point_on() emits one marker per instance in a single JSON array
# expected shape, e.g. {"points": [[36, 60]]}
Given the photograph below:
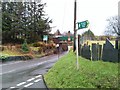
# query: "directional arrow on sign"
{"points": [[83, 24]]}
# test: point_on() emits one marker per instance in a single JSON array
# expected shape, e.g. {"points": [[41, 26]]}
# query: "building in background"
{"points": [[63, 38]]}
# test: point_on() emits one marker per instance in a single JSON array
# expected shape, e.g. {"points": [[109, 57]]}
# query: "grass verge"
{"points": [[91, 74]]}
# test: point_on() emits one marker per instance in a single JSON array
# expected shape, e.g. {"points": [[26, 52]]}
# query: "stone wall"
{"points": [[96, 52], [109, 52], [85, 52]]}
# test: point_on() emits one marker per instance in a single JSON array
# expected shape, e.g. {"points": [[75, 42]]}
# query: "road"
{"points": [[26, 74]]}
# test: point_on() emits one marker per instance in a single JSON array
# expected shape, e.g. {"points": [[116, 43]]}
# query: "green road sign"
{"points": [[45, 37], [83, 24]]}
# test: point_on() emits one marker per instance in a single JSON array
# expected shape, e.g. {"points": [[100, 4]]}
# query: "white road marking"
{"points": [[28, 85], [37, 64], [8, 72], [37, 80], [10, 63], [38, 76], [21, 83], [30, 79], [12, 87]]}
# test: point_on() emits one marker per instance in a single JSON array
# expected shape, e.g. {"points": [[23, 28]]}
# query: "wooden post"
{"points": [[116, 44], [75, 7]]}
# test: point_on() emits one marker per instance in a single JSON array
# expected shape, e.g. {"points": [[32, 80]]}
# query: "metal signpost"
{"points": [[77, 50], [81, 25]]}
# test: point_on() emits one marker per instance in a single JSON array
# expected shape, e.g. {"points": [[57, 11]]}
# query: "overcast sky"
{"points": [[96, 11]]}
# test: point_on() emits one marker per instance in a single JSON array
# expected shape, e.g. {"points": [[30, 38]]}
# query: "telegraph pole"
{"points": [[75, 9]]}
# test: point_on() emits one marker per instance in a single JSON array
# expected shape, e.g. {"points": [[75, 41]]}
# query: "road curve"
{"points": [[17, 73]]}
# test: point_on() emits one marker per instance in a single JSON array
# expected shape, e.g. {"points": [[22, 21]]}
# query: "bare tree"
{"points": [[113, 26]]}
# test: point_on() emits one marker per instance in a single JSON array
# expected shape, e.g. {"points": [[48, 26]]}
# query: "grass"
{"points": [[34, 48], [16, 52], [91, 74], [11, 53], [34, 53]]}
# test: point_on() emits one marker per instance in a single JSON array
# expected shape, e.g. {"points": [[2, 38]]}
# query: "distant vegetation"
{"points": [[24, 20], [113, 27], [88, 35], [36, 48]]}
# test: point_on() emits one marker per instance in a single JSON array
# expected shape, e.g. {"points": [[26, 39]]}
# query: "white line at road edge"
{"points": [[37, 80], [38, 76], [30, 79], [28, 85], [21, 83], [7, 72], [28, 66], [37, 64], [12, 87], [10, 63]]}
